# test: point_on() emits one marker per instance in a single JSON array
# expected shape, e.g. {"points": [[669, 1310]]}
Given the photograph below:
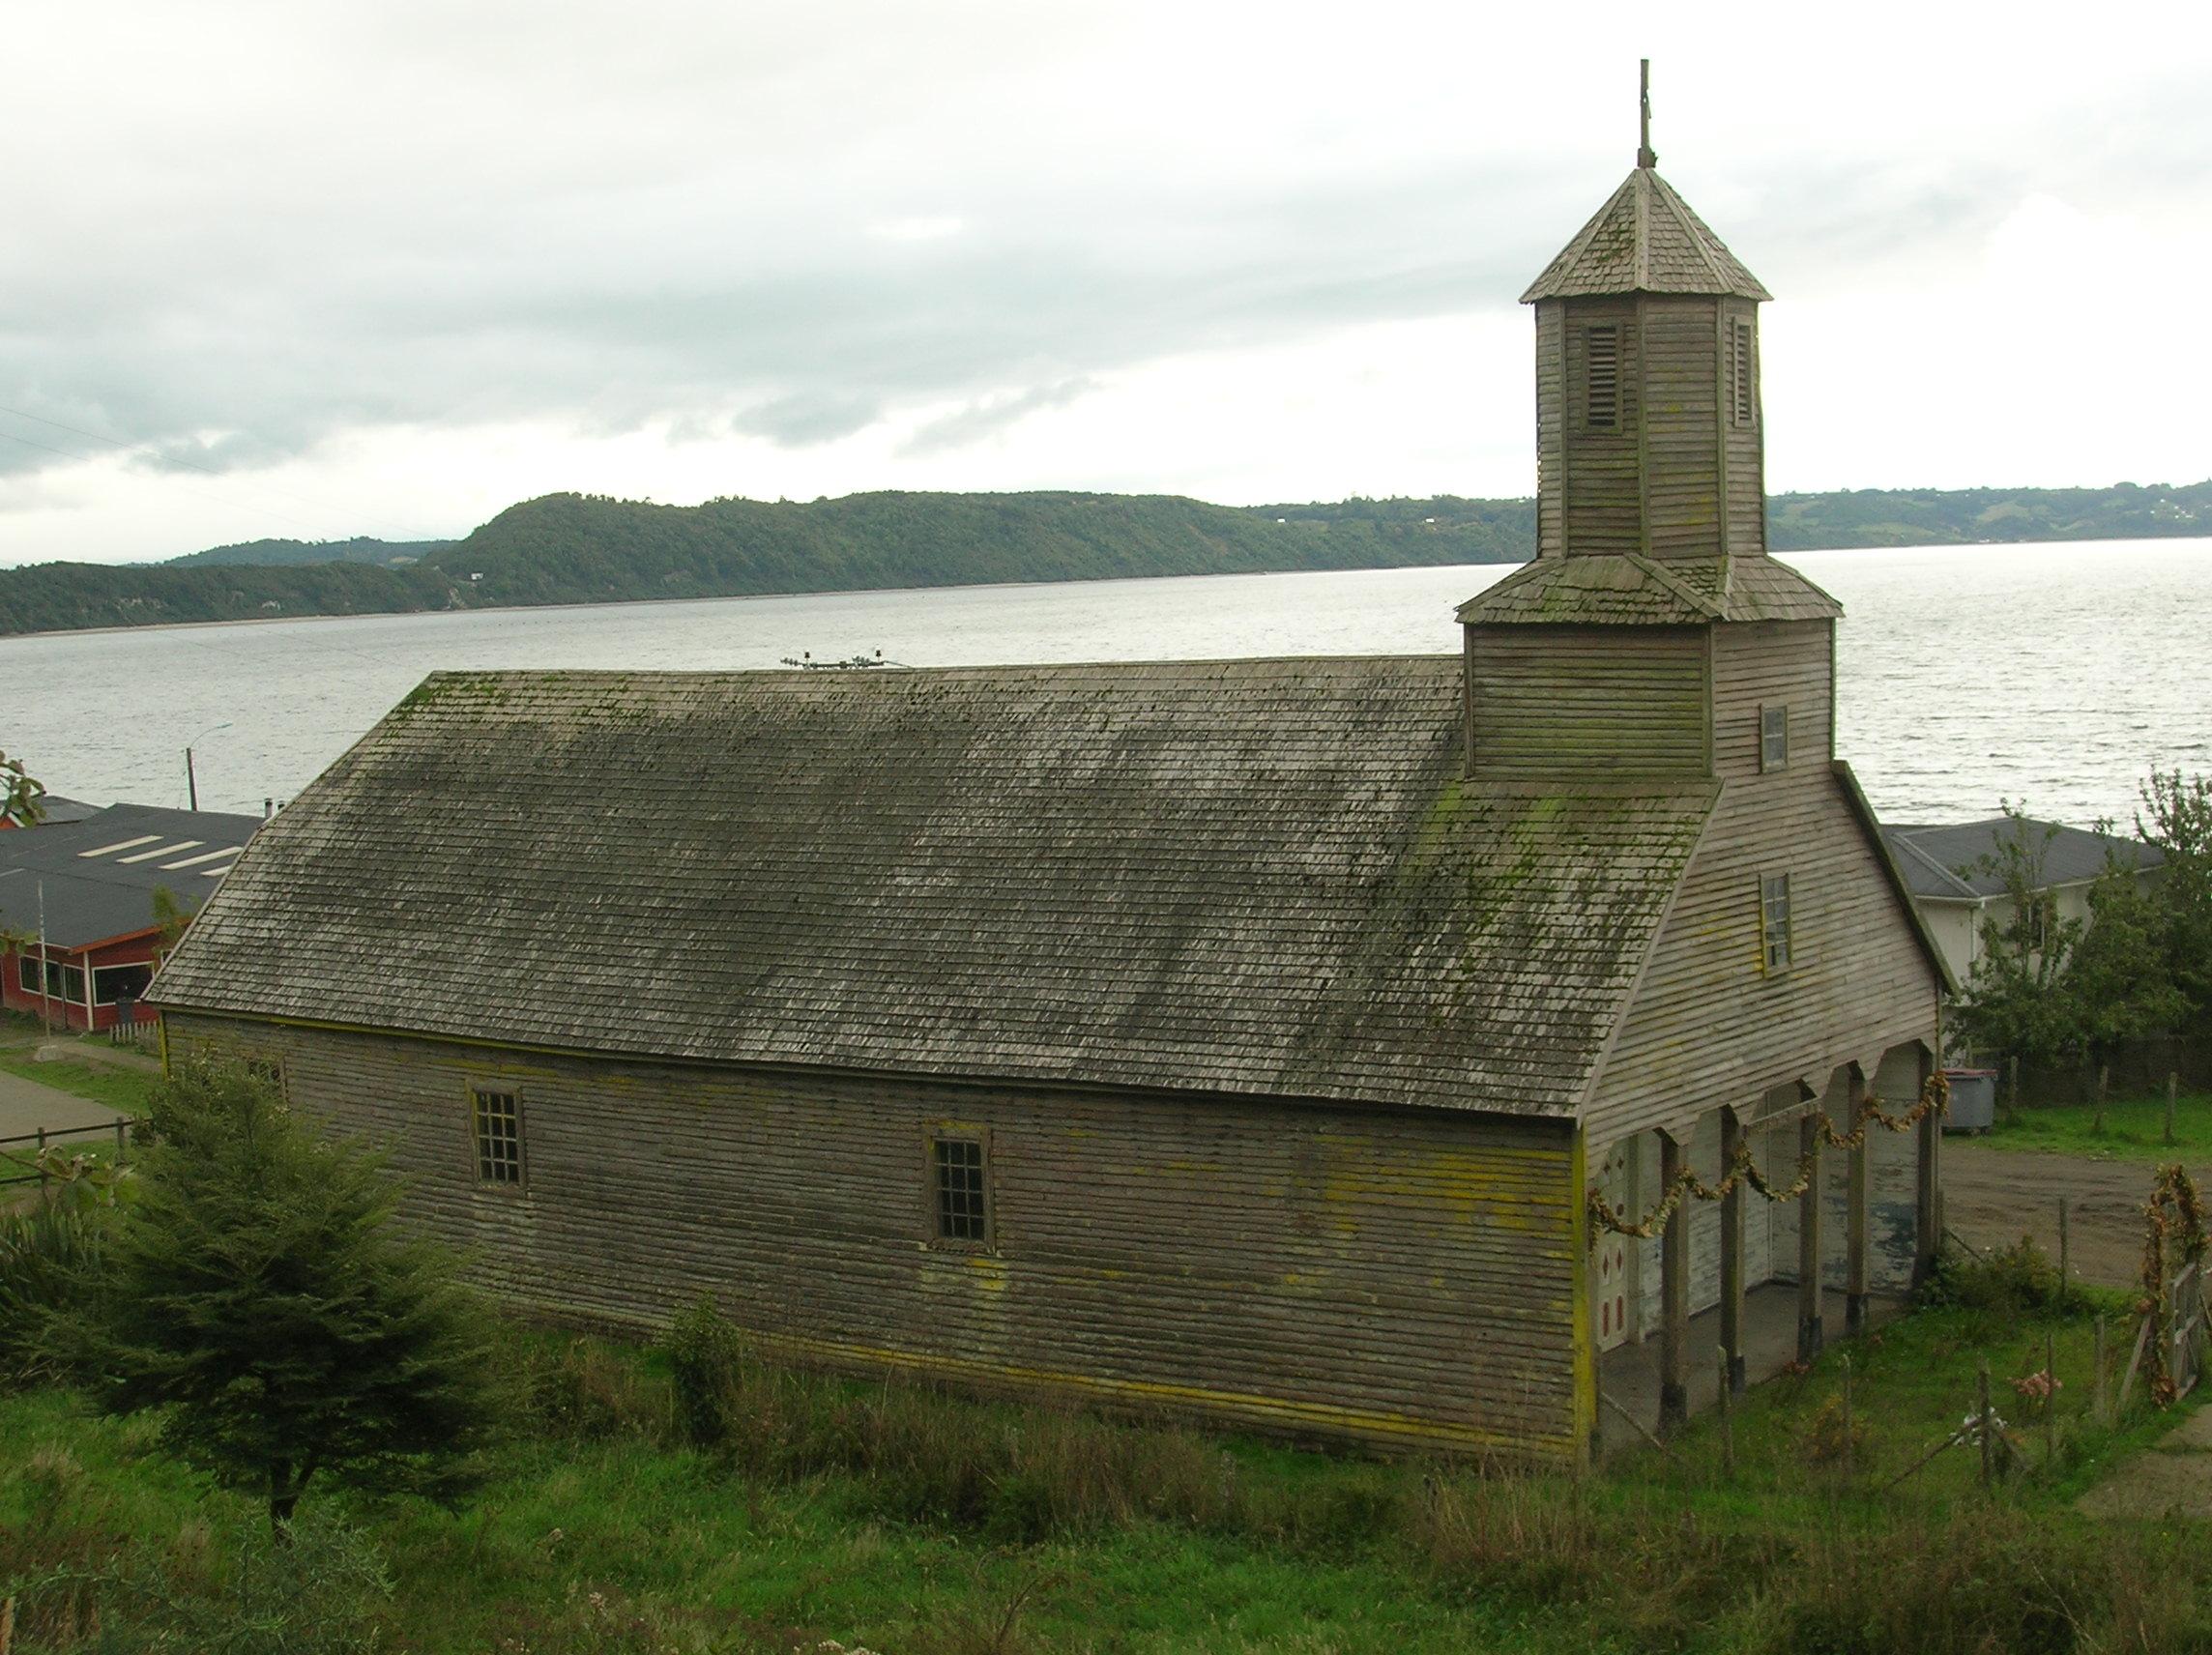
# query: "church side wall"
{"points": [[1709, 1025], [1400, 1277]]}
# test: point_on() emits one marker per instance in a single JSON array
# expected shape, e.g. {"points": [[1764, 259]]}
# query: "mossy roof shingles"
{"points": [[1644, 240], [1244, 877]]}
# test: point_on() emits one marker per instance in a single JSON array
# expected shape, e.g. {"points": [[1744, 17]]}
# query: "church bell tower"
{"points": [[1624, 646]]}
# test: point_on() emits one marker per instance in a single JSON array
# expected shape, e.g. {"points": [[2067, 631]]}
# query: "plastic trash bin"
{"points": [[1973, 1100]]}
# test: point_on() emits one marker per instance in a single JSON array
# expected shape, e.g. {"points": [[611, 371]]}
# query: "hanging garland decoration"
{"points": [[1934, 1099], [2176, 1214]]}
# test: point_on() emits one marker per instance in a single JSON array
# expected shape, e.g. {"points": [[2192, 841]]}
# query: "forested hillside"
{"points": [[575, 548], [360, 550]]}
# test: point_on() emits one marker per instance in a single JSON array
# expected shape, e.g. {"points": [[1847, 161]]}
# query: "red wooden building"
{"points": [[88, 889]]}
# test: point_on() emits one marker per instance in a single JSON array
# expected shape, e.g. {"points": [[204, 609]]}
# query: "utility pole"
{"points": [[45, 993]]}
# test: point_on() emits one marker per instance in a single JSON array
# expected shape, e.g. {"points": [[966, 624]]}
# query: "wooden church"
{"points": [[1287, 1043]]}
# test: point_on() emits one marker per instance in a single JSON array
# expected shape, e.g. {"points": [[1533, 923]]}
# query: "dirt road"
{"points": [[1993, 1197]]}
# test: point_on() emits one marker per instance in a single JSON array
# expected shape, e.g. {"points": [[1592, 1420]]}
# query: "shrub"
{"points": [[2015, 1281], [705, 1361], [581, 1390]]}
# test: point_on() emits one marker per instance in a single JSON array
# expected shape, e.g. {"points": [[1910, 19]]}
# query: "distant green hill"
{"points": [[576, 548], [360, 550]]}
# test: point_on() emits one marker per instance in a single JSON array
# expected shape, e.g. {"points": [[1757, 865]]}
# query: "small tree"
{"points": [[2176, 817], [261, 1302], [19, 795], [2016, 1004]]}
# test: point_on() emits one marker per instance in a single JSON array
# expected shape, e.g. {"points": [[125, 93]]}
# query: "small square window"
{"points": [[1774, 921], [269, 1071], [956, 1170], [1773, 737], [498, 1118]]}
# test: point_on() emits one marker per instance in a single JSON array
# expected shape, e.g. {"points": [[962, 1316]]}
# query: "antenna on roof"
{"points": [[1645, 157]]}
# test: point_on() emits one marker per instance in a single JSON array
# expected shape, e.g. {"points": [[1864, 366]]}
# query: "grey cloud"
{"points": [[992, 415]]}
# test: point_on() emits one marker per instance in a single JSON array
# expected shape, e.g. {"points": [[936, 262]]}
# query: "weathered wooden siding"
{"points": [[1708, 1025], [1681, 438], [1550, 429], [1401, 1277], [1603, 483], [1568, 702], [1744, 446], [1771, 663]]}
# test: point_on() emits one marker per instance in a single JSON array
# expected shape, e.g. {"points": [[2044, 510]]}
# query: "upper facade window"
{"points": [[1774, 922], [1742, 403], [1601, 363], [1773, 737]]}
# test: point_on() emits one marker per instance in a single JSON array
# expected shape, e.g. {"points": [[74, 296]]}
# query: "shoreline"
{"points": [[1006, 585]]}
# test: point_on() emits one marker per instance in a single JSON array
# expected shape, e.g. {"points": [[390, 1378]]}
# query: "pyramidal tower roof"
{"points": [[1644, 240]]}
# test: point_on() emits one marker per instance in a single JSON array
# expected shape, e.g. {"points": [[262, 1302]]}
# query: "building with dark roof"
{"points": [[1253, 1038], [1951, 871], [87, 885]]}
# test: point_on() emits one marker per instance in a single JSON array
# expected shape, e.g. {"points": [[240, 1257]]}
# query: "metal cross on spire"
{"points": [[1645, 157]]}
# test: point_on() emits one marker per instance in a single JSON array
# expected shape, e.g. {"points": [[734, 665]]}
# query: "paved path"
{"points": [[25, 1105], [1992, 1196], [2174, 1476]]}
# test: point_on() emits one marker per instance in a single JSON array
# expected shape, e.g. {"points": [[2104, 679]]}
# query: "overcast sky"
{"points": [[324, 268]]}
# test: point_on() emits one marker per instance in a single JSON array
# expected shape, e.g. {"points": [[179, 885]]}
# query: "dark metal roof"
{"points": [[1644, 240], [1938, 861], [1234, 877], [99, 873]]}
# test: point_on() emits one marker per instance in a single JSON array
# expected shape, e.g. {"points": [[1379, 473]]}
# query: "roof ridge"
{"points": [[1652, 567], [1920, 853], [1693, 228]]}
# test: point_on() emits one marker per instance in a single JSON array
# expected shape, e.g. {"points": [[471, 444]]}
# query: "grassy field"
{"points": [[914, 1522], [2135, 1129]]}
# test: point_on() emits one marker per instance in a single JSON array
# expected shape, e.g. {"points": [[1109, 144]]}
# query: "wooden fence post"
{"points": [[1727, 1374], [2172, 1086], [1847, 1416], [1980, 1419], [41, 1152], [2049, 1399], [2065, 1250], [2104, 1084], [2097, 1377]]}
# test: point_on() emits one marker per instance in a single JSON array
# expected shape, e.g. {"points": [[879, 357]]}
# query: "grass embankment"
{"points": [[920, 1524], [2135, 1129]]}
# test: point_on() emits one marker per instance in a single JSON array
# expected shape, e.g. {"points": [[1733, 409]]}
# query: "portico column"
{"points": [[1809, 1241], [1856, 1238], [1674, 1295], [1928, 1203], [1731, 1252]]}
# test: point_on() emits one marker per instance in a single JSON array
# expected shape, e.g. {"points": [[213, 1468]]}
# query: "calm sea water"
{"points": [[2054, 674]]}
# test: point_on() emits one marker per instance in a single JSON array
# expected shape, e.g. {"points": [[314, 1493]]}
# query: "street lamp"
{"points": [[192, 782]]}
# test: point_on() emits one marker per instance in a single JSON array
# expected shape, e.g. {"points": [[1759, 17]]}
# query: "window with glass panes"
{"points": [[1774, 920], [497, 1120], [956, 1170]]}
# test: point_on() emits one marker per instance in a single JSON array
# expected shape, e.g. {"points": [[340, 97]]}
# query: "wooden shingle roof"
{"points": [[1624, 588], [1240, 877], [1644, 240]]}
